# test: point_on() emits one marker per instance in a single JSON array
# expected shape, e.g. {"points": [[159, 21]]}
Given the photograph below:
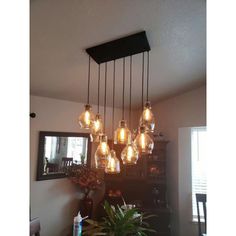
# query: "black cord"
{"points": [[98, 86], [147, 75], [113, 101], [88, 80], [130, 90], [123, 101], [142, 77], [105, 97]]}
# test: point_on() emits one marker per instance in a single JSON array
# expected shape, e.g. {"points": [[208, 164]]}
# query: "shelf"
{"points": [[156, 161], [157, 210], [112, 179], [148, 180], [156, 181], [137, 185]]}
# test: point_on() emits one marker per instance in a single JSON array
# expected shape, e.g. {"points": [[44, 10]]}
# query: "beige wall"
{"points": [[55, 201], [185, 110]]}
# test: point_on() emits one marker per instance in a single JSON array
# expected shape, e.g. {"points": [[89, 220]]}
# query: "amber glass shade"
{"points": [[86, 118], [102, 153], [143, 141], [122, 134], [113, 164], [147, 118], [96, 129], [130, 155]]}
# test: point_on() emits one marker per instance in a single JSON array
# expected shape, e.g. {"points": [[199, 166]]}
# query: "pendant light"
{"points": [[122, 134], [87, 117], [102, 153], [147, 118], [113, 164], [130, 155], [143, 141], [97, 126]]}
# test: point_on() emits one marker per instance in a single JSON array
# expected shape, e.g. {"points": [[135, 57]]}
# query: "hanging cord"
{"points": [[147, 75], [123, 101], [88, 81], [130, 86], [98, 86], [142, 77], [113, 101], [198, 145], [105, 97]]}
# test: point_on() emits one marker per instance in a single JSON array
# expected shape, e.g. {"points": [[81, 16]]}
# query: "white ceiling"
{"points": [[61, 30]]}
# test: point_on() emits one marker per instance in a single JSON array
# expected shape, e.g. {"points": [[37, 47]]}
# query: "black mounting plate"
{"points": [[119, 48]]}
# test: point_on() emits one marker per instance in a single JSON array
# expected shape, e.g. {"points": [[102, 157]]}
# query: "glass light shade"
{"points": [[113, 164], [86, 118], [147, 118], [102, 153], [96, 128], [143, 141], [129, 155], [122, 134]]}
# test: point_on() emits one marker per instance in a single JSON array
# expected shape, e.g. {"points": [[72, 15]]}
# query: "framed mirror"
{"points": [[59, 150]]}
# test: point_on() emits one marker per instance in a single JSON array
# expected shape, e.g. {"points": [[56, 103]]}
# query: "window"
{"points": [[199, 163], [50, 147], [76, 148]]}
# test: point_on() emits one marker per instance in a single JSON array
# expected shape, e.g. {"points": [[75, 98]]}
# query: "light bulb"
{"points": [[143, 141], [129, 155], [113, 164], [147, 114], [104, 148], [147, 118], [96, 128], [122, 134], [86, 118], [102, 153]]}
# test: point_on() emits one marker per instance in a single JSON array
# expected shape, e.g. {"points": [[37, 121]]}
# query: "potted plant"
{"points": [[119, 221], [82, 157], [88, 180]]}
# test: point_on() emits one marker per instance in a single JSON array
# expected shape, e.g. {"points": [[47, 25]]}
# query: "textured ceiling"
{"points": [[61, 30]]}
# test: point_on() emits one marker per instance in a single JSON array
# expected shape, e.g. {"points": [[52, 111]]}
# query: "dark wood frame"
{"points": [[42, 135]]}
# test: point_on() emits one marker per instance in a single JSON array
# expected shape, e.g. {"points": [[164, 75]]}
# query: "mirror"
{"points": [[59, 150]]}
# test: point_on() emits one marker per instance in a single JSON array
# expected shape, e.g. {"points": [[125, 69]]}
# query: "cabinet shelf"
{"points": [[156, 210], [143, 184]]}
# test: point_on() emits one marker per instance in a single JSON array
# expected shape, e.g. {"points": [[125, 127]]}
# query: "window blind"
{"points": [[199, 172]]}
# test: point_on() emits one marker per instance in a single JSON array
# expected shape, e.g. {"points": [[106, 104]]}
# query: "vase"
{"points": [[86, 207]]}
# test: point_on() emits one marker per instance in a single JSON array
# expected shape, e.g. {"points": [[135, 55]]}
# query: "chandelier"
{"points": [[103, 154], [143, 141], [122, 134], [106, 158], [113, 164], [97, 125], [147, 118], [87, 117], [130, 153]]}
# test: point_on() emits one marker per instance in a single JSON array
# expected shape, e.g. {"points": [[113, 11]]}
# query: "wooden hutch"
{"points": [[144, 185]]}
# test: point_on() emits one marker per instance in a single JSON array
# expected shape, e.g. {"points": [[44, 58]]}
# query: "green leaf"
{"points": [[119, 222], [148, 216], [92, 222]]}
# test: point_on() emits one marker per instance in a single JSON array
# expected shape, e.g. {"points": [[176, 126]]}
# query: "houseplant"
{"points": [[119, 221], [88, 180]]}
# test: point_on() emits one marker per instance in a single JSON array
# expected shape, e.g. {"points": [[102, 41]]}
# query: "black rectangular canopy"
{"points": [[119, 48]]}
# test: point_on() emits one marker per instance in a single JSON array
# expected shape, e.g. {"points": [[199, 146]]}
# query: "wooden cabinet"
{"points": [[144, 185]]}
